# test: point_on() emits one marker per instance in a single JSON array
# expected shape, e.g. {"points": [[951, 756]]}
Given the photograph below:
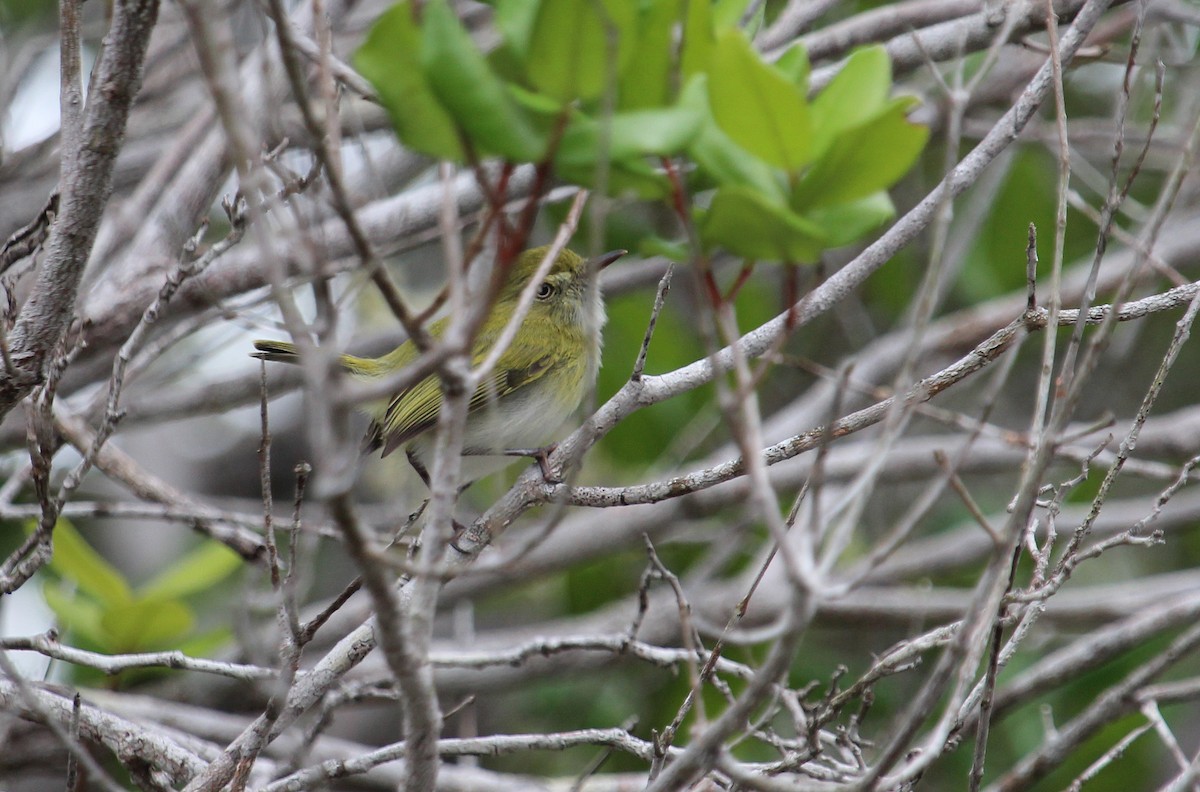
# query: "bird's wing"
{"points": [[414, 411], [408, 414]]}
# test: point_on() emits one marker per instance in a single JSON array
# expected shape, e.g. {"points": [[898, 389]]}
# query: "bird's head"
{"points": [[564, 292]]}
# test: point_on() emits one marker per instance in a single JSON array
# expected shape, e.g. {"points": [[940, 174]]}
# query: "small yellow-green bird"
{"points": [[538, 382]]}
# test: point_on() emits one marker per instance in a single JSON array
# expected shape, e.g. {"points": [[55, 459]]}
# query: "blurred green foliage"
{"points": [[600, 91], [760, 195], [100, 610], [17, 13]]}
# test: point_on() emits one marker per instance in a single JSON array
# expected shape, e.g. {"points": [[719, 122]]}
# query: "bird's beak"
{"points": [[604, 259]]}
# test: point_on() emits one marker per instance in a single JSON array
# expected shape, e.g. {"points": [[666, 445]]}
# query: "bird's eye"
{"points": [[545, 290]]}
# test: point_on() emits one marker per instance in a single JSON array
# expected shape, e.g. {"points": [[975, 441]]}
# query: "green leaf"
{"points": [[629, 135], [863, 160], [475, 97], [667, 248], [570, 51], [77, 561], [196, 572], [509, 68], [795, 66], [539, 106], [146, 624], [846, 222], [697, 46], [757, 106], [722, 161], [726, 163], [857, 93], [744, 223], [75, 613], [645, 81], [389, 60], [728, 13], [758, 17], [630, 177], [515, 20]]}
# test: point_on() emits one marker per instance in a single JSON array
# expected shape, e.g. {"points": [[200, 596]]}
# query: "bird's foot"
{"points": [[459, 531], [542, 455]]}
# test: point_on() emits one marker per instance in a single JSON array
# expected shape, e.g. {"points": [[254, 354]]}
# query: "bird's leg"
{"points": [[542, 455], [459, 531], [459, 528], [419, 466]]}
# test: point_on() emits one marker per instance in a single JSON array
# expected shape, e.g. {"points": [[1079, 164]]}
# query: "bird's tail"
{"points": [[276, 351], [286, 352]]}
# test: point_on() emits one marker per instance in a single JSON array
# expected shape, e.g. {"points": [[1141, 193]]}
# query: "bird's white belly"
{"points": [[521, 420], [526, 420]]}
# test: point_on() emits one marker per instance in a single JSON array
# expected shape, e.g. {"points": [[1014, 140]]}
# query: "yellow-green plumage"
{"points": [[537, 383]]}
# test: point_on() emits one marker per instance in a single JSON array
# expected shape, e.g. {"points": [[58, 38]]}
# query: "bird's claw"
{"points": [[542, 455], [459, 531]]}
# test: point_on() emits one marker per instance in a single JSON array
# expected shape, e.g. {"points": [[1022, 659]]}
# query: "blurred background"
{"points": [[901, 537]]}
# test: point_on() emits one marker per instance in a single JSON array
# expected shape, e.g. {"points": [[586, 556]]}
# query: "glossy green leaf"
{"points": [[76, 613], [629, 135], [645, 81], [657, 246], [728, 13], [757, 106], [196, 572], [741, 221], [857, 93], [538, 105], [508, 67], [570, 51], [696, 48], [389, 59], [631, 177], [723, 162], [756, 20], [146, 624], [846, 223], [795, 66], [475, 97], [515, 20], [78, 562], [863, 160]]}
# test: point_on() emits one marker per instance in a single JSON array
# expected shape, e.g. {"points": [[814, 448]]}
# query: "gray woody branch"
{"points": [[85, 186]]}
